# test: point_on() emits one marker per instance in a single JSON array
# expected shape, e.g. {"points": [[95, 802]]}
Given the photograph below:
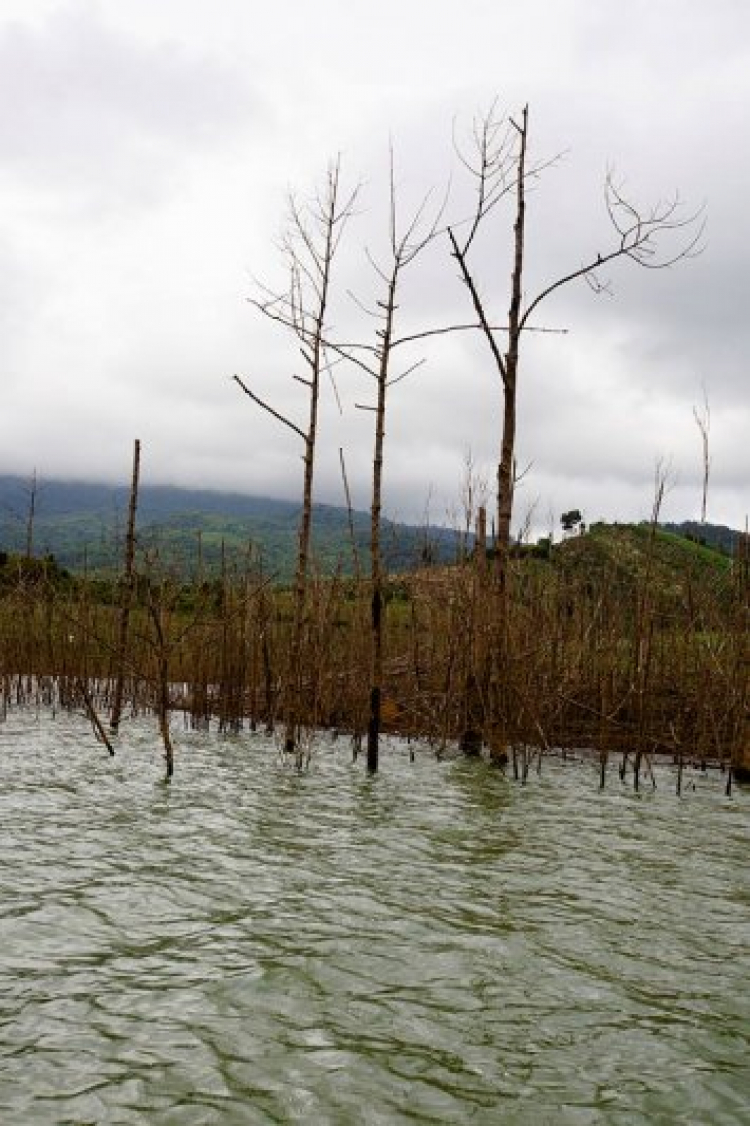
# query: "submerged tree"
{"points": [[127, 589], [309, 245], [405, 243], [499, 166], [501, 171]]}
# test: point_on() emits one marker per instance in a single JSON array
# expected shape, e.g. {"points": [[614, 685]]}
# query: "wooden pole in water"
{"points": [[96, 723]]}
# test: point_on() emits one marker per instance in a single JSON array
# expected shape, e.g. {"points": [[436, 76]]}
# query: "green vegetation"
{"points": [[626, 552], [83, 527], [18, 572]]}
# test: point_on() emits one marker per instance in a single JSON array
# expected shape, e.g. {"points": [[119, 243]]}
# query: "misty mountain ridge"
{"points": [[83, 523]]}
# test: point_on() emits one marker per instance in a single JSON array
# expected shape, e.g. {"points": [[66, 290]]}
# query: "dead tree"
{"points": [[404, 246], [645, 618], [703, 422], [32, 491], [310, 246], [126, 596], [160, 612], [500, 168]]}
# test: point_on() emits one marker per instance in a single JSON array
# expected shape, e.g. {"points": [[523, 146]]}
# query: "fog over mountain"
{"points": [[146, 153]]}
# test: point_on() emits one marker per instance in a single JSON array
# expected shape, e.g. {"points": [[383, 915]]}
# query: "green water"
{"points": [[434, 945]]}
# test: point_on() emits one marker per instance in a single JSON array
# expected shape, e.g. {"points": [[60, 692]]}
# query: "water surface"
{"points": [[436, 944]]}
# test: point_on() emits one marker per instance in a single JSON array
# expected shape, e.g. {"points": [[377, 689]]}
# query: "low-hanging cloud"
{"points": [[145, 155]]}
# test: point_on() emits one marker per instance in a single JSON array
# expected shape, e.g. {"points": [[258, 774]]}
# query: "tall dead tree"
{"points": [[499, 166], [404, 246], [309, 245], [500, 169], [126, 592]]}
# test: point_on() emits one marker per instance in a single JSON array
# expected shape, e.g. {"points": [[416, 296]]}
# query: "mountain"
{"points": [[710, 535], [84, 525]]}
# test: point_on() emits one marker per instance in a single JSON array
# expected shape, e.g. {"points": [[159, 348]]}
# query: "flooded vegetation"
{"points": [[290, 937], [626, 639], [527, 901], [433, 944]]}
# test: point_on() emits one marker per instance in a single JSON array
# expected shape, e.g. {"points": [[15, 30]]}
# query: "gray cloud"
{"points": [[90, 113], [145, 152]]}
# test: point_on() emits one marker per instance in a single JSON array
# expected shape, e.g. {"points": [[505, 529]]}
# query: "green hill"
{"points": [[710, 535], [622, 557], [83, 525]]}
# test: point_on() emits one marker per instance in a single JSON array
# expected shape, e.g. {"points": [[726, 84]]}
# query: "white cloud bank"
{"points": [[145, 154]]}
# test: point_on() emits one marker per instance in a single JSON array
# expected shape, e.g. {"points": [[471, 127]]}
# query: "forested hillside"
{"points": [[83, 525]]}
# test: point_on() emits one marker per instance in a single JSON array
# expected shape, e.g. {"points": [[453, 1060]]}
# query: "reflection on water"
{"points": [[435, 944]]}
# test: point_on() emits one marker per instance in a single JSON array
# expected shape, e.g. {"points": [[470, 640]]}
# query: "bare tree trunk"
{"points": [[91, 712], [510, 371], [310, 245], [31, 514], [499, 167], [403, 251], [703, 422], [126, 598], [376, 668], [296, 711], [159, 616]]}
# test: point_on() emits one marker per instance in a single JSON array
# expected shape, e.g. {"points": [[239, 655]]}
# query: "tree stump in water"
{"points": [[498, 745], [742, 766]]}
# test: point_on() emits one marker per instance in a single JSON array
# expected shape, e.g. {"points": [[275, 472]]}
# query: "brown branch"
{"points": [[468, 328], [637, 241], [478, 307], [266, 407]]}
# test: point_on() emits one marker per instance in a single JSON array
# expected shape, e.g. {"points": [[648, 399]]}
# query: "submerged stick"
{"points": [[127, 592], [96, 723]]}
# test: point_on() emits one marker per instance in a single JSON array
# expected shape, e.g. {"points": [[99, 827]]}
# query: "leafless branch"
{"points": [[381, 273], [445, 329], [346, 352], [468, 280], [638, 239], [403, 375], [361, 305], [519, 476], [335, 389], [266, 407]]}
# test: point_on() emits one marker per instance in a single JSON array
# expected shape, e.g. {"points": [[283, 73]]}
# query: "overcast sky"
{"points": [[146, 153]]}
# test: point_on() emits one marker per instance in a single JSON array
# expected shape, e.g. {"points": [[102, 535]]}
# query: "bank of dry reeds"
{"points": [[572, 652]]}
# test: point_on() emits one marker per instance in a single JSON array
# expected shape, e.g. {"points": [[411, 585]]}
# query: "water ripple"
{"points": [[435, 944]]}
